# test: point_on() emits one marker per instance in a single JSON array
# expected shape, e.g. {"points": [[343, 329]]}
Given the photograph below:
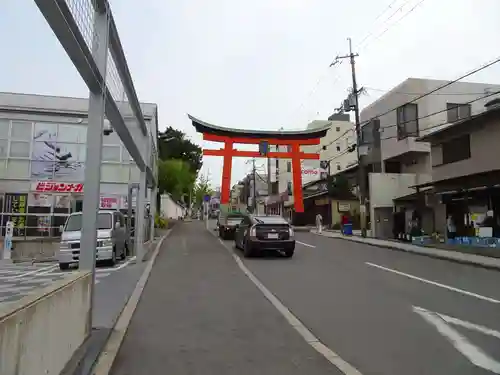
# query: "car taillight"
{"points": [[290, 232], [253, 232]]}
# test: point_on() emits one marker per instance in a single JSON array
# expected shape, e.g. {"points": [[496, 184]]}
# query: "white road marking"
{"points": [[302, 330], [20, 276], [453, 289], [305, 244], [464, 346]]}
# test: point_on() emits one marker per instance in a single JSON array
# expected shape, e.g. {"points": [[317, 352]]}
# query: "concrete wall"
{"points": [[40, 333], [169, 208]]}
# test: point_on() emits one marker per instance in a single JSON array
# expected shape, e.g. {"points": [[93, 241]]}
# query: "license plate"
{"points": [[273, 236]]}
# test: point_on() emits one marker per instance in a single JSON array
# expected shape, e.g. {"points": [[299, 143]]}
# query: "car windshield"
{"points": [[75, 222], [270, 220]]}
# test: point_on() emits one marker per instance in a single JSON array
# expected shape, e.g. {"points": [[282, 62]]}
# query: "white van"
{"points": [[111, 239]]}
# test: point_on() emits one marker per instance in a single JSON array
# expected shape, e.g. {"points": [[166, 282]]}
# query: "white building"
{"points": [[42, 161], [401, 160], [336, 142]]}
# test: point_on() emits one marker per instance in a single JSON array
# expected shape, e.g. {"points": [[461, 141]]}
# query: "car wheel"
{"points": [[248, 252], [63, 266], [289, 253], [112, 261]]}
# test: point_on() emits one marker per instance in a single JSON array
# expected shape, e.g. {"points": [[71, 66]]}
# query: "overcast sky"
{"points": [[259, 64]]}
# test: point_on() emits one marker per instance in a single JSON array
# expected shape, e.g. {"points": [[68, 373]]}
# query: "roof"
{"points": [[204, 127], [462, 125]]}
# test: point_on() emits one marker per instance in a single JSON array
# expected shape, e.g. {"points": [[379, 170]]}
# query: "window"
{"points": [[4, 128], [69, 133], [338, 166], [337, 128], [289, 166], [407, 121], [3, 148], [21, 130], [457, 112], [289, 187], [111, 153], [456, 149], [338, 146], [74, 223]]}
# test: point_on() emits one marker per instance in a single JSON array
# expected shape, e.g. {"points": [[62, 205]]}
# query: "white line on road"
{"points": [[37, 271], [470, 351], [307, 335], [305, 244], [475, 295]]}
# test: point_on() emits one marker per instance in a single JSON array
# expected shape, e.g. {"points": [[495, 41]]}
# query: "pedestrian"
{"points": [[319, 223], [343, 221], [450, 226]]}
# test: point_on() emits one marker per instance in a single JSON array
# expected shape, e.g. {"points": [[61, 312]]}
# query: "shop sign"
{"points": [[58, 187], [109, 203], [343, 207]]}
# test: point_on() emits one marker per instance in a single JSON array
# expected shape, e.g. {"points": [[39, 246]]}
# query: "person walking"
{"points": [[319, 223]]}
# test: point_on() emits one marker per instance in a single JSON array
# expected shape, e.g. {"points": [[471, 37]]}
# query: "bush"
{"points": [[160, 222]]}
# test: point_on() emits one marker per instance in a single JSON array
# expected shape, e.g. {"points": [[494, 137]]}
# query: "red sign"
{"points": [[109, 203], [58, 187]]}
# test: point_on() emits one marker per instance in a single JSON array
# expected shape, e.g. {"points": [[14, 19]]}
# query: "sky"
{"points": [[260, 64]]}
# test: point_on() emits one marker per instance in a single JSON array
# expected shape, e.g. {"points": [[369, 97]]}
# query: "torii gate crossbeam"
{"points": [[230, 137]]}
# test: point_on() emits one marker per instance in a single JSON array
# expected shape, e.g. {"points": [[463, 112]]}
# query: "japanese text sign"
{"points": [[58, 187]]}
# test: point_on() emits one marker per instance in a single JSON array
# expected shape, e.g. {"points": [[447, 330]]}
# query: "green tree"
{"points": [[173, 144], [201, 188], [339, 187], [175, 177]]}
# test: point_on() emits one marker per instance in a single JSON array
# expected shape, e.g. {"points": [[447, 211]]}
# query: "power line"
{"points": [[442, 110], [395, 23], [420, 93], [387, 19], [487, 65], [351, 149]]}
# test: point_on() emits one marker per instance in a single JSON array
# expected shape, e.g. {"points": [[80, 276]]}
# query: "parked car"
{"points": [[111, 239], [227, 223], [258, 233]]}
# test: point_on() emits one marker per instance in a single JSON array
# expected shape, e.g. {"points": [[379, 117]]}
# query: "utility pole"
{"points": [[352, 102], [254, 200]]}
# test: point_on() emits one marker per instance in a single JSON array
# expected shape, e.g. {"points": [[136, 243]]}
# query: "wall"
{"points": [[411, 89], [485, 153], [169, 208], [337, 215], [40, 333]]}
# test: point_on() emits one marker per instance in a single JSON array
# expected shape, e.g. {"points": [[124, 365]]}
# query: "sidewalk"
{"points": [[478, 260], [199, 314]]}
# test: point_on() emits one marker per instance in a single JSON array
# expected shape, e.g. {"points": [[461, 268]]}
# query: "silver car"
{"points": [[111, 239]]}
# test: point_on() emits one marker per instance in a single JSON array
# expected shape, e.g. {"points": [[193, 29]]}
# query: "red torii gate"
{"points": [[292, 139]]}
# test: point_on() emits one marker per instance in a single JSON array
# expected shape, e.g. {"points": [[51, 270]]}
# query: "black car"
{"points": [[258, 233]]}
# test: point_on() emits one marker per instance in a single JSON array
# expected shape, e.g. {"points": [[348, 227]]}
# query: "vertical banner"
{"points": [[16, 204]]}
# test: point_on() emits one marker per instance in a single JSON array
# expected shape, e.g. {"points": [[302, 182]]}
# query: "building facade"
{"points": [[402, 160], [42, 161]]}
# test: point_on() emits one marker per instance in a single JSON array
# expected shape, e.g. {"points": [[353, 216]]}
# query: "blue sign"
{"points": [[206, 198], [263, 148]]}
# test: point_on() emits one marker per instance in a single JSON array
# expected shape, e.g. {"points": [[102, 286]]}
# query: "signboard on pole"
{"points": [[7, 243]]}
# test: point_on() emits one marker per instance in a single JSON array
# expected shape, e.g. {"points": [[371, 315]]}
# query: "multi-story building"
{"points": [[42, 161], [401, 160]]}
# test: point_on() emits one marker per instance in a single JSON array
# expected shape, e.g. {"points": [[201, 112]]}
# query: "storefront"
{"points": [[42, 164]]}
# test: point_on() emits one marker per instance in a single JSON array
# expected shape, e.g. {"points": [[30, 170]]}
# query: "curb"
{"points": [[108, 355], [435, 256]]}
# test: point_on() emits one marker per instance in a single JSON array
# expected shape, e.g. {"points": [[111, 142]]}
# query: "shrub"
{"points": [[160, 222]]}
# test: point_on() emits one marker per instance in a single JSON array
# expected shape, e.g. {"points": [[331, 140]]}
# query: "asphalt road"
{"points": [[389, 312], [199, 314]]}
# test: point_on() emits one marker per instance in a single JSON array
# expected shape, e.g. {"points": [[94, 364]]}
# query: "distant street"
{"points": [[381, 311]]}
